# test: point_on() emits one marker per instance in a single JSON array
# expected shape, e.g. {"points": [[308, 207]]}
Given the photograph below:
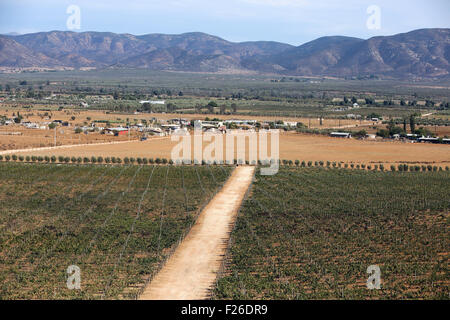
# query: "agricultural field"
{"points": [[292, 146], [118, 224], [311, 233]]}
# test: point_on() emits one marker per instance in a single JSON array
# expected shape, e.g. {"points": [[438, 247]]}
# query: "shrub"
{"points": [[352, 165], [382, 167], [417, 168], [119, 160], [151, 161], [297, 162], [79, 160], [400, 167], [113, 159], [21, 158], [40, 159], [392, 168], [7, 157], [309, 163], [66, 159], [60, 159], [369, 167], [139, 160], [132, 160], [363, 166], [73, 159], [86, 160], [375, 167], [316, 163], [430, 167], [93, 159], [171, 162], [14, 157], [328, 163], [321, 163], [108, 160], [334, 164], [303, 164], [424, 168], [435, 168], [126, 160], [100, 159], [1, 157], [447, 168], [27, 158], [145, 160], [164, 161], [53, 159], [346, 165], [357, 166], [158, 160]]}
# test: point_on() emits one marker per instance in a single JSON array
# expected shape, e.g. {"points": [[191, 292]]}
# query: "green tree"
{"points": [[412, 123]]}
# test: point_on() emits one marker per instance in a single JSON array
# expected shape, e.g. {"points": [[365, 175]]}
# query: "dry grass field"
{"points": [[293, 146], [37, 138]]}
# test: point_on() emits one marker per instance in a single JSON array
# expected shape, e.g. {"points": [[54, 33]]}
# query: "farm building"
{"points": [[152, 102], [117, 131], [428, 139], [341, 134]]}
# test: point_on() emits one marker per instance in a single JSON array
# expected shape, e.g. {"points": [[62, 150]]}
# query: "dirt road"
{"points": [[192, 269]]}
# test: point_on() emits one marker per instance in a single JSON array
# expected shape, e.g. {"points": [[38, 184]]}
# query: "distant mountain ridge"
{"points": [[419, 53]]}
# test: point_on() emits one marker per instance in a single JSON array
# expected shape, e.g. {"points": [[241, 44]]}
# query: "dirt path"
{"points": [[72, 146], [191, 271]]}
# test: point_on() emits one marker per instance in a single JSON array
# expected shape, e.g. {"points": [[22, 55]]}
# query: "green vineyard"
{"points": [[118, 224], [311, 233]]}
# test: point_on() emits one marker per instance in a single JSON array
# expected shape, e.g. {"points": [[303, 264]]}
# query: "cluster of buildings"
{"points": [[167, 127], [35, 125]]}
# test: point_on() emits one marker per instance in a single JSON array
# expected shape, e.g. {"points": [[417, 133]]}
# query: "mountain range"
{"points": [[417, 54]]}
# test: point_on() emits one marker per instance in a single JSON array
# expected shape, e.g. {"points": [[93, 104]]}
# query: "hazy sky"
{"points": [[291, 21]]}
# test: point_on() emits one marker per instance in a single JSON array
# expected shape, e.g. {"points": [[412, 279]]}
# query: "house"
{"points": [[152, 102], [155, 131], [341, 134], [428, 139], [117, 131]]}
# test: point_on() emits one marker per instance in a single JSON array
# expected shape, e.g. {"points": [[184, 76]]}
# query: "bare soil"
{"points": [[293, 146], [191, 271]]}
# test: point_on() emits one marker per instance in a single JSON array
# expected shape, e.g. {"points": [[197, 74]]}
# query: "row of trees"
{"points": [[144, 161], [80, 160], [212, 106], [392, 129]]}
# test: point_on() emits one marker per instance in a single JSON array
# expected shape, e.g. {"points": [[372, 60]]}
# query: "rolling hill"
{"points": [[416, 54]]}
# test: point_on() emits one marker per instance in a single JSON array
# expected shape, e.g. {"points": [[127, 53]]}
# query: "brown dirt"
{"points": [[293, 146], [191, 271]]}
